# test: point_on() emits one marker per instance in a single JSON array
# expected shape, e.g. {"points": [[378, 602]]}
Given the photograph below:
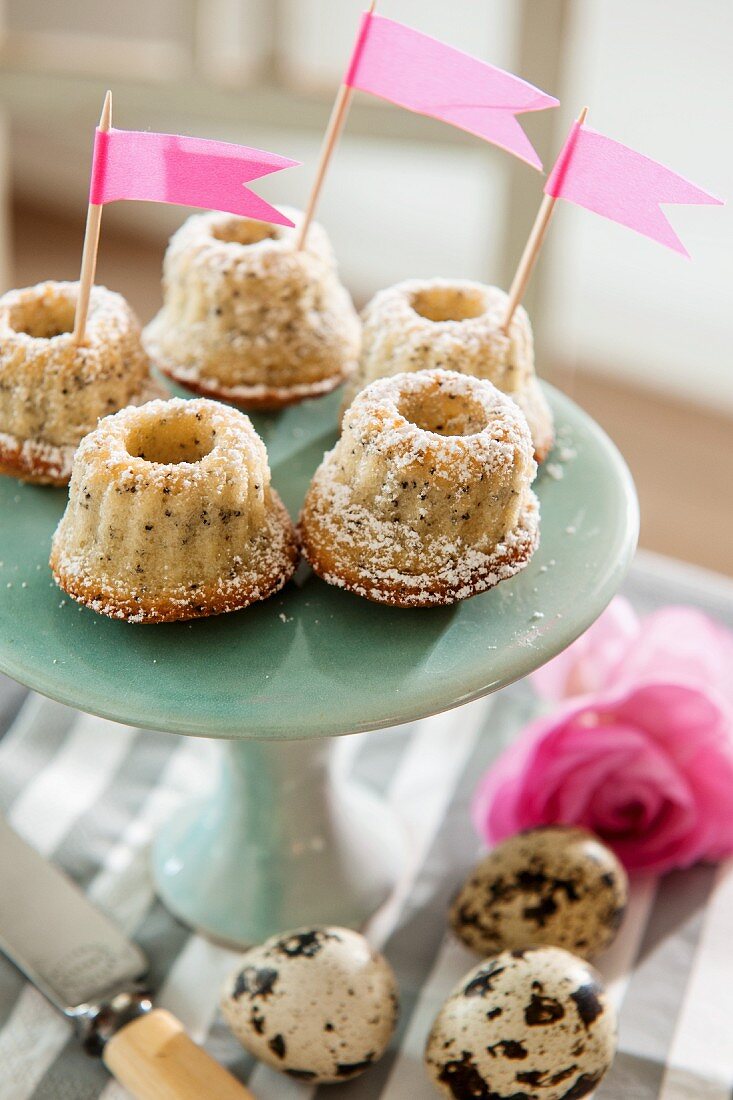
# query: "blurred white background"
{"points": [[642, 336]]}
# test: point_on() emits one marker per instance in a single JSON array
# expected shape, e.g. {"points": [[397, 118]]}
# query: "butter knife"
{"points": [[92, 974]]}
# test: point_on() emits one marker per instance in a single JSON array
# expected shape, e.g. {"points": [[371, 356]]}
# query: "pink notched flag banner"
{"points": [[617, 182], [185, 171], [420, 73]]}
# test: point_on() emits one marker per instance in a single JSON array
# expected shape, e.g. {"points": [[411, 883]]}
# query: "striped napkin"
{"points": [[90, 795]]}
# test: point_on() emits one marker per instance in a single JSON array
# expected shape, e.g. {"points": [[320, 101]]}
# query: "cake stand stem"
{"points": [[284, 840]]}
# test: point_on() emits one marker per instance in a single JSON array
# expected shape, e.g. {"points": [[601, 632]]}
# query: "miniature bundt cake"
{"points": [[454, 325], [52, 392], [426, 497], [171, 516], [250, 319]]}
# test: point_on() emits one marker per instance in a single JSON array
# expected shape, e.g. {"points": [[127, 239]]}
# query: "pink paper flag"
{"points": [[617, 182], [185, 171], [418, 72]]}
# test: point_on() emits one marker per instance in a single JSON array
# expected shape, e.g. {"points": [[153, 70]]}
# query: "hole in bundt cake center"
{"points": [[243, 231], [449, 303], [43, 319], [183, 438], [444, 413]]}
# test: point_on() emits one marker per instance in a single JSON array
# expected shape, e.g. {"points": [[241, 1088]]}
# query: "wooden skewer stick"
{"points": [[335, 126], [532, 249], [91, 244]]}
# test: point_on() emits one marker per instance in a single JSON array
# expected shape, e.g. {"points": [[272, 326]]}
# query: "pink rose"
{"points": [[649, 768], [589, 664], [676, 644]]}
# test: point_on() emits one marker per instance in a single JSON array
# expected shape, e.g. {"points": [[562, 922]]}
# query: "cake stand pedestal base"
{"points": [[284, 840]]}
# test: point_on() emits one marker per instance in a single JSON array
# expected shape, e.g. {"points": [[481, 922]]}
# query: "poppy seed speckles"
{"points": [[398, 512], [52, 391], [155, 471], [423, 324], [260, 323], [529, 1034], [328, 1014]]}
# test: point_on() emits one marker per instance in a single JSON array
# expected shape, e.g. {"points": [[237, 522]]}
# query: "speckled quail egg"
{"points": [[556, 885], [318, 1004], [529, 1024]]}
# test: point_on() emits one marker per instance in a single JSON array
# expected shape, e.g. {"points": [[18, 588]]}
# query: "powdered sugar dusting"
{"points": [[250, 318], [406, 514], [252, 397], [52, 392], [44, 463], [423, 324], [171, 516]]}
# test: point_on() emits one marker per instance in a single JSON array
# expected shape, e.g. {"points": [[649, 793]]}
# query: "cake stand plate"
{"points": [[280, 842]]}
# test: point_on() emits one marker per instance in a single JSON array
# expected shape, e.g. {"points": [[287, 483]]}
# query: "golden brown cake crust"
{"points": [[215, 600], [172, 515], [426, 498], [252, 398], [53, 391], [40, 463], [453, 324], [249, 318], [35, 463], [432, 592]]}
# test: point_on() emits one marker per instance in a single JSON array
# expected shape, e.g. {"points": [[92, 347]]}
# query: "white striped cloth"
{"points": [[90, 795]]}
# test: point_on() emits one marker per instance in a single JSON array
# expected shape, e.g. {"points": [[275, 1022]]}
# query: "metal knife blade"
{"points": [[60, 941]]}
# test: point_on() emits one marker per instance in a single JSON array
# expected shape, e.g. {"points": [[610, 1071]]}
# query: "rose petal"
{"points": [[649, 767], [682, 644], [589, 663], [678, 716]]}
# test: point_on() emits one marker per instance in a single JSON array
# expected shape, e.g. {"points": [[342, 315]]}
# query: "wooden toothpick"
{"points": [[335, 126], [532, 249], [91, 244]]}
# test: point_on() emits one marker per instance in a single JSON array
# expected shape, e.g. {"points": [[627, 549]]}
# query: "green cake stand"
{"points": [[284, 840]]}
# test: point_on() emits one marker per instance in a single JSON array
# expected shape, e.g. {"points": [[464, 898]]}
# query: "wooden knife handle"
{"points": [[155, 1059]]}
